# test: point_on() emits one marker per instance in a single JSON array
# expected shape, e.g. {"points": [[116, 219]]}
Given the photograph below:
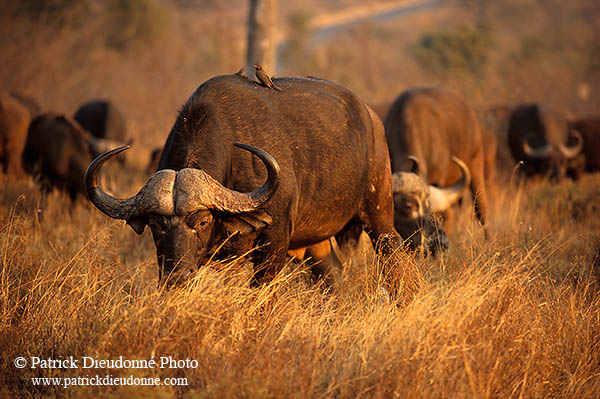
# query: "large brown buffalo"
{"points": [[14, 120], [313, 164], [589, 128], [57, 152], [434, 125], [540, 137]]}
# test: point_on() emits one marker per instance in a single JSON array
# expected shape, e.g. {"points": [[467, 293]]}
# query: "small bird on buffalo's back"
{"points": [[264, 78]]}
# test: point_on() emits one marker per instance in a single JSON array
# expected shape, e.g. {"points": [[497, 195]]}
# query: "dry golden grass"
{"points": [[515, 316]]}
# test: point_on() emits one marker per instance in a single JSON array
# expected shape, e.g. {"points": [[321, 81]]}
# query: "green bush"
{"points": [[51, 13], [462, 48], [134, 21]]}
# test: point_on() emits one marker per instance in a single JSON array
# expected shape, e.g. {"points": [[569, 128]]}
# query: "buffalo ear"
{"points": [[246, 223], [138, 223]]}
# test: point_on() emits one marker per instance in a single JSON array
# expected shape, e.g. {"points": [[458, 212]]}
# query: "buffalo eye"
{"points": [[199, 220]]}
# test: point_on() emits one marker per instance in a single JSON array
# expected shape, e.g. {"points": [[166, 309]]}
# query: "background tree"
{"points": [[262, 36]]}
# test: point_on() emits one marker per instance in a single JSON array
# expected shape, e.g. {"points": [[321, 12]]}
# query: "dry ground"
{"points": [[515, 316]]}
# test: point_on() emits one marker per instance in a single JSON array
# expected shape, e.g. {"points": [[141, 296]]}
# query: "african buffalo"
{"points": [[416, 203], [321, 150], [102, 119], [540, 137], [433, 125], [589, 128], [57, 152], [14, 119]]}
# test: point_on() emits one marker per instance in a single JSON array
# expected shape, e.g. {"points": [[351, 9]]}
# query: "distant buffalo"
{"points": [[313, 163], [540, 137], [434, 125], [589, 128], [103, 120], [14, 120], [58, 151]]}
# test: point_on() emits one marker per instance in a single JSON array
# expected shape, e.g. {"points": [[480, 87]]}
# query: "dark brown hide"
{"points": [[57, 152], [14, 120], [589, 128], [433, 124], [103, 120]]}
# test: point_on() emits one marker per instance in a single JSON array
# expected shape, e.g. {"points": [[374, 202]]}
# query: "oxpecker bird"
{"points": [[264, 78]]}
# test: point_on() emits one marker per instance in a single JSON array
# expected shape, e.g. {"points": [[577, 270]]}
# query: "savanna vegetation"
{"points": [[516, 315]]}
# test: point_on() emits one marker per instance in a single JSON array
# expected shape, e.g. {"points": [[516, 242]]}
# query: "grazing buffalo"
{"points": [[434, 125], [57, 152], [102, 119], [14, 119], [540, 137], [416, 202], [321, 150], [589, 128]]}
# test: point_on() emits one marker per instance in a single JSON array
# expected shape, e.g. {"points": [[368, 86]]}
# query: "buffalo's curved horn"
{"points": [[196, 189], [155, 196], [542, 152], [187, 190], [440, 199], [415, 167], [574, 150]]}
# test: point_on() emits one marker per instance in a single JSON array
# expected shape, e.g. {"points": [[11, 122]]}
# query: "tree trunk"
{"points": [[262, 37]]}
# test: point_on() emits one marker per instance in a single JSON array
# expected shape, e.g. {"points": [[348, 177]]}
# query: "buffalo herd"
{"points": [[272, 175]]}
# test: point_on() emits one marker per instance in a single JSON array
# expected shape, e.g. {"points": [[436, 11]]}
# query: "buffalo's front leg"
{"points": [[270, 256]]}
